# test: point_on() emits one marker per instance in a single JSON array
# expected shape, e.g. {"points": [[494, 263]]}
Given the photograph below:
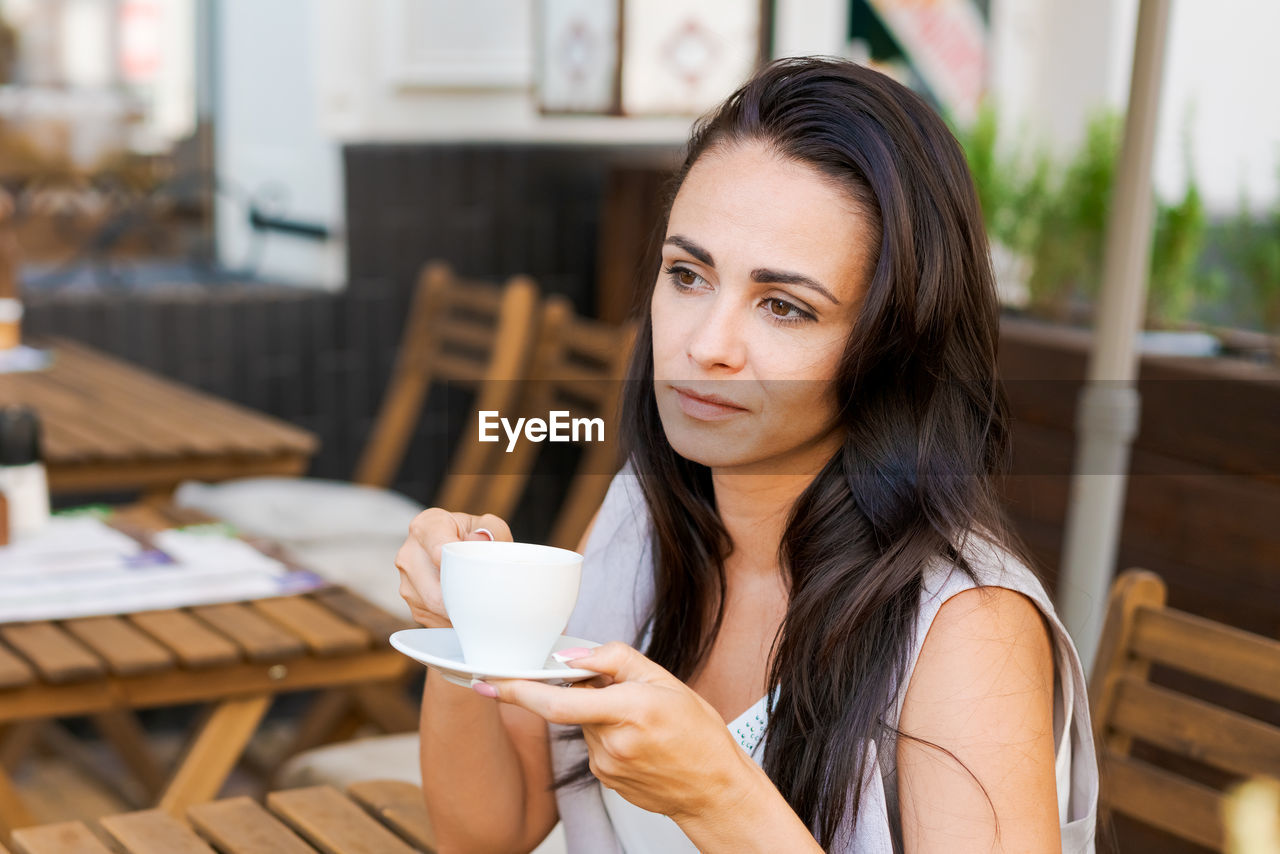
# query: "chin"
{"points": [[713, 446], [711, 455]]}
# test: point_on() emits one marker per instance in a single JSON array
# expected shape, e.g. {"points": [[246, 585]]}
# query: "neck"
{"points": [[754, 505], [754, 510]]}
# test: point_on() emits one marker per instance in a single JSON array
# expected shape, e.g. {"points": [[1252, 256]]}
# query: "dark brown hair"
{"points": [[924, 420]]}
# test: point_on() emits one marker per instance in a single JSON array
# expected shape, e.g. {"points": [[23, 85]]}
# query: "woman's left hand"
{"points": [[650, 737]]}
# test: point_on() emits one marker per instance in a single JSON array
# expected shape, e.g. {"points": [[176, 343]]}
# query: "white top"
{"points": [[617, 588]]}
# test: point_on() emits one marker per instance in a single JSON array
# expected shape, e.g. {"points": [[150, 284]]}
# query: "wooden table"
{"points": [[234, 657], [111, 426], [375, 817]]}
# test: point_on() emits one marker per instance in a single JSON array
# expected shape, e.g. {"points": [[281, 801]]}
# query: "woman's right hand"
{"points": [[419, 558]]}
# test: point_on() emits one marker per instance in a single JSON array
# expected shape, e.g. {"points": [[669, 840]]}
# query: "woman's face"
{"points": [[764, 265]]}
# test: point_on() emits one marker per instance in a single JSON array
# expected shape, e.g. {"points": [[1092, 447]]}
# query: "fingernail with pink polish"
{"points": [[484, 689], [573, 653]]}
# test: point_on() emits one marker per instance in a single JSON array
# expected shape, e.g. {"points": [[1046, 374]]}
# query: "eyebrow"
{"points": [[761, 275]]}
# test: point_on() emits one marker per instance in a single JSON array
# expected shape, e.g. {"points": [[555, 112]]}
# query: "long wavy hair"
{"points": [[925, 431]]}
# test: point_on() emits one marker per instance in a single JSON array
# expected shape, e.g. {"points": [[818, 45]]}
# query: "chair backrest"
{"points": [[578, 365], [1141, 631], [475, 334]]}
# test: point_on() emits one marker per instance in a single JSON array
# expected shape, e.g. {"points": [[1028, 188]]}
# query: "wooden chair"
{"points": [[1127, 707], [579, 366], [473, 334]]}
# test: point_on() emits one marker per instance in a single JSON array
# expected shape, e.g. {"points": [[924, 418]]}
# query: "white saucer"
{"points": [[439, 649]]}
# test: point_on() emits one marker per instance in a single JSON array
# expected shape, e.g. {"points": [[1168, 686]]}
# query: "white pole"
{"points": [[1107, 417]]}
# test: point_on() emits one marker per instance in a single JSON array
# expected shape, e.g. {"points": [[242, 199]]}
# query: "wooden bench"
{"points": [[1132, 713], [375, 817]]}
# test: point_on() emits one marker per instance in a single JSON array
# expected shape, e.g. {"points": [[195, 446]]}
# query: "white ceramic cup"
{"points": [[508, 602]]}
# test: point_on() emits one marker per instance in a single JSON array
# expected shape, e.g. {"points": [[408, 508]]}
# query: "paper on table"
{"points": [[23, 359], [69, 544], [81, 567], [204, 549]]}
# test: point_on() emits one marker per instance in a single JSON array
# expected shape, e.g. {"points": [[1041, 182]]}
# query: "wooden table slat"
{"points": [[260, 638], [157, 426], [113, 426], [56, 656], [153, 832], [120, 426], [241, 826], [333, 823], [324, 632], [66, 420], [356, 609], [191, 640], [399, 806], [126, 650], [14, 671], [235, 427], [68, 837]]}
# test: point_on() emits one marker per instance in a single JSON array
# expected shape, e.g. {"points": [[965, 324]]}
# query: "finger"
{"points": [[434, 527], [595, 682], [495, 527], [431, 529], [622, 663], [425, 608], [412, 559], [557, 704]]}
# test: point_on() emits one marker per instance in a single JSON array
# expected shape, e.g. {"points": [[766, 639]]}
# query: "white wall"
{"points": [[1222, 82], [807, 27], [1054, 63], [380, 81], [269, 140]]}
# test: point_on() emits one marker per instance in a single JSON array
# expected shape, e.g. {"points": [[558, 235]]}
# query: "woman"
{"points": [[804, 541]]}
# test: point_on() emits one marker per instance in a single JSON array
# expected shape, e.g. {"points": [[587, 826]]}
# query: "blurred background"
{"points": [[228, 148], [240, 196]]}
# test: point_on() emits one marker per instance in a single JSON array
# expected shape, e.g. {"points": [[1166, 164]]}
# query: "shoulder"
{"points": [[977, 762], [978, 721], [622, 517], [986, 626], [617, 580]]}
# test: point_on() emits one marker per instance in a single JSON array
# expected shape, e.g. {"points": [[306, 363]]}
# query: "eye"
{"points": [[683, 278], [781, 311]]}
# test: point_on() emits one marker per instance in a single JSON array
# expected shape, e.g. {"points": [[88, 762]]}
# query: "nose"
{"points": [[716, 341]]}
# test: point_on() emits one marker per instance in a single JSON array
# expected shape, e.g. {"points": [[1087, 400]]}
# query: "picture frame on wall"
{"points": [[681, 58], [579, 45]]}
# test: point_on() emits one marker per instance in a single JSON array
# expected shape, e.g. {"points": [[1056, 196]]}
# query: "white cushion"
{"points": [[382, 757], [348, 534], [291, 508], [366, 565]]}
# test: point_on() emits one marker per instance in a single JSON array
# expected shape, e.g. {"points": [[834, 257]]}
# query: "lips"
{"points": [[706, 407]]}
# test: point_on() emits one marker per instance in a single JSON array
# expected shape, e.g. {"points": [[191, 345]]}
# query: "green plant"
{"points": [[1175, 281], [1068, 261], [1253, 248], [1058, 217], [1013, 185]]}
